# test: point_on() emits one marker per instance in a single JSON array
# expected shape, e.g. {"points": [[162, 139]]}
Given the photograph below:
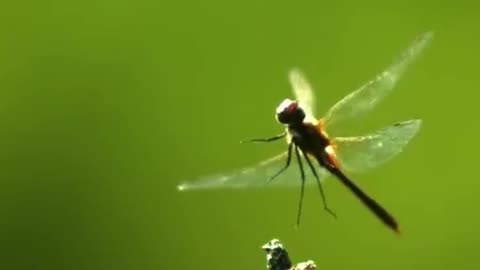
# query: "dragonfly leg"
{"points": [[302, 189], [320, 188], [289, 158], [274, 138]]}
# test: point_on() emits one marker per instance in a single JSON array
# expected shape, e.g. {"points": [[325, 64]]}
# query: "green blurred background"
{"points": [[105, 106]]}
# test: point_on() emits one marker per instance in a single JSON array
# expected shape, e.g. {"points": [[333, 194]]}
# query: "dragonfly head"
{"points": [[288, 112]]}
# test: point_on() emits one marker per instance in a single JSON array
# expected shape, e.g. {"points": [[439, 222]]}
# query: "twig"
{"points": [[277, 258]]}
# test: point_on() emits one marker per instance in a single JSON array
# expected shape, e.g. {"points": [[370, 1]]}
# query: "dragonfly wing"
{"points": [[254, 177], [303, 93], [367, 96], [367, 152]]}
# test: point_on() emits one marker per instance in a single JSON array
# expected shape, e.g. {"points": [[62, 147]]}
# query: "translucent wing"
{"points": [[367, 152], [255, 176], [368, 95], [303, 93]]}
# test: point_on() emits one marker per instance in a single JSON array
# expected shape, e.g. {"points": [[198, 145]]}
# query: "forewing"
{"points": [[367, 152], [303, 93], [367, 96], [254, 177]]}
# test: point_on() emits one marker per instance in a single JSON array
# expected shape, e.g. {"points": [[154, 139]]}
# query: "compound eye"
{"points": [[287, 106], [286, 111]]}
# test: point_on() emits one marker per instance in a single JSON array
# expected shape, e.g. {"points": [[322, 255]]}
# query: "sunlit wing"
{"points": [[367, 152], [255, 176], [303, 93], [367, 96]]}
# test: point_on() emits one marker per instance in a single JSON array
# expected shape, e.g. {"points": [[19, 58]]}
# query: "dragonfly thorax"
{"points": [[288, 112]]}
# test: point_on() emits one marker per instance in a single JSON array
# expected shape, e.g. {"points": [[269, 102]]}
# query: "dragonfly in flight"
{"points": [[308, 140]]}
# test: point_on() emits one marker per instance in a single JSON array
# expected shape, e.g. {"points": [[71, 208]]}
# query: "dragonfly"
{"points": [[308, 139]]}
